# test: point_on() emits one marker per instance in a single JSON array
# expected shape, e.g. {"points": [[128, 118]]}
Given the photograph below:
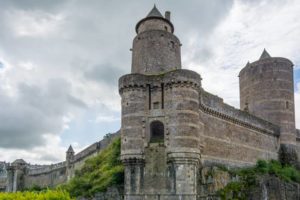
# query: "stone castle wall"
{"points": [[54, 174], [234, 137]]}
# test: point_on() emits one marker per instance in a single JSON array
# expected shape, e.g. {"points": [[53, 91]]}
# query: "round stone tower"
{"points": [[160, 131], [267, 91], [155, 48]]}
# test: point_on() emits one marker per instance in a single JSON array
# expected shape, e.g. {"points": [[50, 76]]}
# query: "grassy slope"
{"points": [[98, 173]]}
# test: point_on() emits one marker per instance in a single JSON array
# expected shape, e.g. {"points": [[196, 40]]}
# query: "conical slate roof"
{"points": [[264, 55], [70, 149], [248, 63], [154, 13]]}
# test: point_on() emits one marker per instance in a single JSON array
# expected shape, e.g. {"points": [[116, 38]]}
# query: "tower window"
{"points": [[166, 28], [287, 105], [156, 105], [156, 132], [172, 44]]}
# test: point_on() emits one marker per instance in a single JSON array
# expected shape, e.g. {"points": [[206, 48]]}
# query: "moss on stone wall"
{"points": [[98, 173], [247, 179]]}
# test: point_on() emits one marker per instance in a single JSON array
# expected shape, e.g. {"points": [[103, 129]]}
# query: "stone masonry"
{"points": [[20, 175], [172, 128]]}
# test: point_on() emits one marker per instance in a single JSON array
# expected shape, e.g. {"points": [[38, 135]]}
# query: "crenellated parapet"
{"points": [[215, 106], [44, 169]]}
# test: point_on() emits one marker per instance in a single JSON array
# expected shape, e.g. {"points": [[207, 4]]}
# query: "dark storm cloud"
{"points": [[36, 111], [95, 35]]}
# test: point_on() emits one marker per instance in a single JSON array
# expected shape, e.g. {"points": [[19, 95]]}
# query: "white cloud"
{"points": [[242, 36], [33, 23], [105, 118], [51, 152]]}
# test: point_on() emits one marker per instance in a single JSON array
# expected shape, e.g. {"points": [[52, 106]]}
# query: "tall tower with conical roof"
{"points": [[155, 48], [160, 131], [267, 91]]}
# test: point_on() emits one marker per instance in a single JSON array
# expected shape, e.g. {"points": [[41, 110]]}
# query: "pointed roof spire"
{"points": [[154, 12], [264, 55], [248, 63], [70, 149]]}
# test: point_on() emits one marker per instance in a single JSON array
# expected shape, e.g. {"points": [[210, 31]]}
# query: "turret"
{"points": [[70, 154], [15, 175], [155, 48], [69, 159], [267, 91]]}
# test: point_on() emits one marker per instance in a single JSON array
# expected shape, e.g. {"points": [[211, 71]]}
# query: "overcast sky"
{"points": [[60, 61]]}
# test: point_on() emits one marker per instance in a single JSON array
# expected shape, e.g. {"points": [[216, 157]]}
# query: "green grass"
{"points": [[44, 195]]}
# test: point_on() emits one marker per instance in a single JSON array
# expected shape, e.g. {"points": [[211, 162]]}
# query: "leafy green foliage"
{"points": [[44, 195], [36, 188], [247, 178], [98, 173]]}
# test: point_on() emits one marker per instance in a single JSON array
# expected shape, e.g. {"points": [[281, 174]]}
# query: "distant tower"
{"points": [[160, 130], [70, 154], [69, 159], [15, 175], [267, 90]]}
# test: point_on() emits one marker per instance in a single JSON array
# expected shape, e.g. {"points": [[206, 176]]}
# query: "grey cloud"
{"points": [[49, 157], [33, 4], [98, 32], [36, 111], [106, 73]]}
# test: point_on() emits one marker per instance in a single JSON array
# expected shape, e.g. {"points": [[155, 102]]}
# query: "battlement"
{"points": [[264, 62], [44, 169], [214, 105], [180, 77], [96, 147]]}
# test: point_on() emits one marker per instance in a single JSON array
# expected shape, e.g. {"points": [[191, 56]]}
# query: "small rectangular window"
{"points": [[156, 105]]}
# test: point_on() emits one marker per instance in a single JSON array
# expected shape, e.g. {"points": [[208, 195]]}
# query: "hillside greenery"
{"points": [[98, 173], [247, 178], [44, 195]]}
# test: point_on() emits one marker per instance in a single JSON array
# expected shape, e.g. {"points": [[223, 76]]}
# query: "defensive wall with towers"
{"points": [[172, 128]]}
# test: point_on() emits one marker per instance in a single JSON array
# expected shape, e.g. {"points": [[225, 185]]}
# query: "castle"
{"points": [[172, 128]]}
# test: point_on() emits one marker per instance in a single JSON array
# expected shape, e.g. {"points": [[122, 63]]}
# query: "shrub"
{"points": [[248, 177], [44, 195], [98, 173]]}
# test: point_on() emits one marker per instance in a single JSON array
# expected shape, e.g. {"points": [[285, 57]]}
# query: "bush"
{"points": [[98, 173], [248, 177], [45, 195]]}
